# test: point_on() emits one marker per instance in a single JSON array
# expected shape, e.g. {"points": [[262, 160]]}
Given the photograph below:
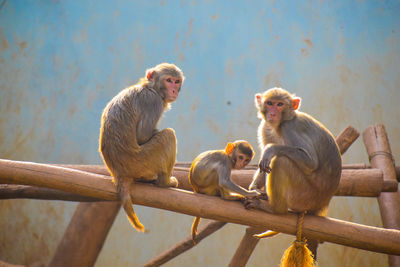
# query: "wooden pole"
{"points": [[85, 234], [246, 247], [8, 191], [365, 166], [320, 228], [182, 201], [185, 245], [354, 182], [65, 179], [380, 155], [346, 138]]}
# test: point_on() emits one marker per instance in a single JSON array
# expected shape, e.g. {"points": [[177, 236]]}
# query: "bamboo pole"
{"points": [[380, 155], [185, 245], [94, 185], [85, 234]]}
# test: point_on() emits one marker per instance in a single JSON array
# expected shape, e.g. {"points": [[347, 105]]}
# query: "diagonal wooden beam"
{"points": [[185, 245]]}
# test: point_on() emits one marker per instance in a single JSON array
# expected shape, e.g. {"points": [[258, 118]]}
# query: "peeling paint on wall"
{"points": [[62, 61]]}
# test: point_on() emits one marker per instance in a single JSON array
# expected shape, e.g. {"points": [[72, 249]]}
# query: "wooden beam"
{"points": [[353, 182], [246, 247], [380, 155], [85, 234], [185, 245], [8, 191], [346, 138], [182, 201]]}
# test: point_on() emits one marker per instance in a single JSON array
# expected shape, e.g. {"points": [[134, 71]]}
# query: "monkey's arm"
{"points": [[224, 181], [258, 180], [305, 159]]}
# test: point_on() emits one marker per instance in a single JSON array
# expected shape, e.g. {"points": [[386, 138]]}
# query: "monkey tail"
{"points": [[194, 228], [298, 254], [124, 186], [266, 234]]}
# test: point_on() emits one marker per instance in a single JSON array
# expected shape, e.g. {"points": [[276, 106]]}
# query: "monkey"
{"points": [[132, 147], [210, 173], [299, 154]]}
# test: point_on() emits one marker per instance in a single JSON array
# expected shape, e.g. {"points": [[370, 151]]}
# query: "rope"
{"points": [[300, 219], [381, 153]]}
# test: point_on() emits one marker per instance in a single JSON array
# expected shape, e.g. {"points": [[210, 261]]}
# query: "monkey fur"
{"points": [[132, 147], [210, 174], [300, 155]]}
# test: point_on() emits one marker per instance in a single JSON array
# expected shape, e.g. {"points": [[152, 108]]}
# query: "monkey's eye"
{"points": [[169, 80], [241, 157], [280, 104], [269, 103], [177, 81]]}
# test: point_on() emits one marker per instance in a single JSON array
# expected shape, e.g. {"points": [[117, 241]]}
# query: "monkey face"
{"points": [[172, 86], [241, 160], [274, 109]]}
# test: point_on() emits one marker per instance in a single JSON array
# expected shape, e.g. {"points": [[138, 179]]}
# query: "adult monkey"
{"points": [[300, 155], [130, 144]]}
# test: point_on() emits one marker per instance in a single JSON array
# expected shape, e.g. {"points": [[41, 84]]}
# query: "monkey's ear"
{"points": [[296, 103], [257, 100], [150, 74], [229, 148]]}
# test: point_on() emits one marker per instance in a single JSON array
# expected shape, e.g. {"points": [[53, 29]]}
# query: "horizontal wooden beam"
{"points": [[182, 201], [13, 191], [353, 182]]}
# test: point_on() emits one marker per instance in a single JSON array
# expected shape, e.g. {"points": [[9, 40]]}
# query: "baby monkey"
{"points": [[210, 173]]}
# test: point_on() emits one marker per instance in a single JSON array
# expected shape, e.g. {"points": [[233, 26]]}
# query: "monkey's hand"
{"points": [[266, 158], [256, 203], [251, 203], [264, 166]]}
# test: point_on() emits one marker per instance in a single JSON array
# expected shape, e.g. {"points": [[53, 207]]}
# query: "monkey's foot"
{"points": [[173, 182], [163, 181], [251, 203]]}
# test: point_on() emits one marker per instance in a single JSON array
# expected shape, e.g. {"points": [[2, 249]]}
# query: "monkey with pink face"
{"points": [[299, 154], [132, 147]]}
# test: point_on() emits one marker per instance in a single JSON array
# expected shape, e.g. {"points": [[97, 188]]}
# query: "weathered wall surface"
{"points": [[62, 61]]}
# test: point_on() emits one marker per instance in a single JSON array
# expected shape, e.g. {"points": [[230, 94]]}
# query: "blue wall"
{"points": [[62, 61]]}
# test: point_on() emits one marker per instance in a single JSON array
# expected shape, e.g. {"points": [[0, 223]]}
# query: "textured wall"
{"points": [[61, 61]]}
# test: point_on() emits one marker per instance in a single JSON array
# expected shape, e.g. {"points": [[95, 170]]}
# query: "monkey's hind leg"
{"points": [[124, 185], [162, 148], [278, 182]]}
